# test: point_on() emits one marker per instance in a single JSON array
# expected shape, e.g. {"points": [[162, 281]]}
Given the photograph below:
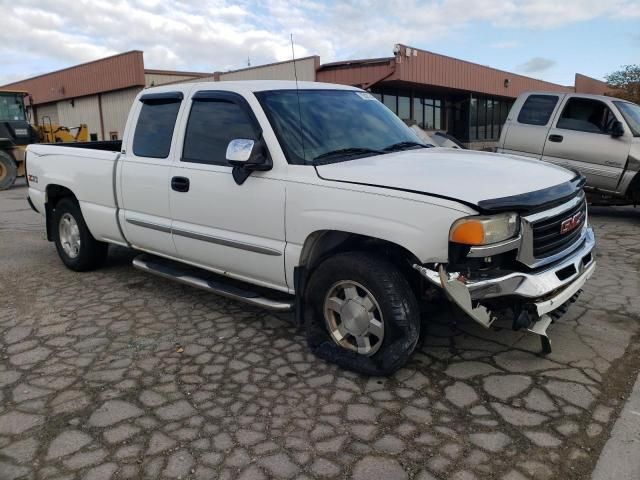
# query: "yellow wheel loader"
{"points": [[16, 133]]}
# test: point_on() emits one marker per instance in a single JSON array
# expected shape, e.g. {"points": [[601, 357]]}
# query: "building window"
{"points": [[93, 137], [424, 111], [473, 119], [404, 108], [113, 135], [486, 118], [418, 111], [391, 102]]}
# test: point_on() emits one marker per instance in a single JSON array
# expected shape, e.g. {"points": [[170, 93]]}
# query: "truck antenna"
{"points": [[295, 74]]}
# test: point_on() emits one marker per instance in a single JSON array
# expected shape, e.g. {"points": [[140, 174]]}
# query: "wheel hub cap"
{"points": [[69, 235], [353, 318]]}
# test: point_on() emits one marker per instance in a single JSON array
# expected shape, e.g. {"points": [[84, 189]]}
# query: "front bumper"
{"points": [[540, 292]]}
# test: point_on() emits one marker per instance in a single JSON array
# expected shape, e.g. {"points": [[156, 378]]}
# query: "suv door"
{"points": [[529, 119], [581, 139], [236, 230], [144, 174]]}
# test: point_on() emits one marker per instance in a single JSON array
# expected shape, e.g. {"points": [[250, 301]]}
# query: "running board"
{"points": [[208, 281]]}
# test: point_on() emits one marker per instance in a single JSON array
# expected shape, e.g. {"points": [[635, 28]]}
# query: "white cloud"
{"points": [[213, 35], [536, 65]]}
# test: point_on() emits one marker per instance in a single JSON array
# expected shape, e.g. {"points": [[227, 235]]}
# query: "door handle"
{"points": [[556, 138], [180, 184]]}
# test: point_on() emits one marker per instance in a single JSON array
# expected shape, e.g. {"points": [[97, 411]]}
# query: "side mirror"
{"points": [[246, 156], [617, 129]]}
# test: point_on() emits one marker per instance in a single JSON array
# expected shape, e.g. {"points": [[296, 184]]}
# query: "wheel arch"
{"points": [[633, 190], [322, 244], [53, 194]]}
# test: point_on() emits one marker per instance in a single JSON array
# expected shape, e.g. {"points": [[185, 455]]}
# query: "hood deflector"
{"points": [[537, 200]]}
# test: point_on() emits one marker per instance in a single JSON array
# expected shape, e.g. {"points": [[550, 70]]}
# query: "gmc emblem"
{"points": [[570, 223]]}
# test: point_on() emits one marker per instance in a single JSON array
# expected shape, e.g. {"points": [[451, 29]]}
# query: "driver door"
{"points": [[580, 138], [235, 230]]}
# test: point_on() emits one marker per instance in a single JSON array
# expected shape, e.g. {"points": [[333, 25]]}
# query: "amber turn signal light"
{"points": [[470, 232]]}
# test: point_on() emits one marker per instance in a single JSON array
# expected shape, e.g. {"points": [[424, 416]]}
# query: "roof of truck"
{"points": [[578, 94], [252, 86]]}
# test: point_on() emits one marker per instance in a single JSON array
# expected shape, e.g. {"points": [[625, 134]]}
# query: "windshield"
{"points": [[631, 113], [11, 107], [336, 125]]}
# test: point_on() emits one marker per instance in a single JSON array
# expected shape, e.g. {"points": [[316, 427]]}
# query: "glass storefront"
{"points": [[470, 117], [486, 116], [425, 111]]}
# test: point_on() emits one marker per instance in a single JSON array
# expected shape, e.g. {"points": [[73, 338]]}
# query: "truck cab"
{"points": [[595, 135]]}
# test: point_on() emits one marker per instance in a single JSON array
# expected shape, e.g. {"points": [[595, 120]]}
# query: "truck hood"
{"points": [[489, 181]]}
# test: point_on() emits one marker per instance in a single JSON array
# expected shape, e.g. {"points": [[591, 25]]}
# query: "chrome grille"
{"points": [[551, 234], [548, 237]]}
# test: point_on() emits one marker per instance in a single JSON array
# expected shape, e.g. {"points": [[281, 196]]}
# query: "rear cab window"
{"points": [[156, 122], [537, 109]]}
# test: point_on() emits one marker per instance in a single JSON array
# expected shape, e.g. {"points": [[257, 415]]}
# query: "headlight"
{"points": [[479, 230]]}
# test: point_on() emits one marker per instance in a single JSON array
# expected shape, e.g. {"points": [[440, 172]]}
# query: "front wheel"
{"points": [[361, 314], [77, 248]]}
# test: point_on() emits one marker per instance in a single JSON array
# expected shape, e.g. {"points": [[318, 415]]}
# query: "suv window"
{"points": [[586, 115], [212, 125], [537, 109], [154, 130]]}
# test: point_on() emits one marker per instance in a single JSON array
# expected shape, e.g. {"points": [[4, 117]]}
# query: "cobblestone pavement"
{"points": [[117, 374]]}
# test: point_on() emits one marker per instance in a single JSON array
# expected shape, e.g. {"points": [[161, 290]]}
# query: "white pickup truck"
{"points": [[596, 135], [316, 198]]}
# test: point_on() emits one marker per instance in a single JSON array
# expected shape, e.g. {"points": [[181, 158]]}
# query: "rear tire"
{"points": [[8, 170], [369, 306], [77, 248]]}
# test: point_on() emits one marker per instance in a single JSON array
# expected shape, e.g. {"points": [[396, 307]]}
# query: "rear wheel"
{"points": [[361, 314], [8, 170], [77, 248]]}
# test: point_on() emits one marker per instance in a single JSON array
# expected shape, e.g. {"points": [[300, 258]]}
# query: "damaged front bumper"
{"points": [[539, 293]]}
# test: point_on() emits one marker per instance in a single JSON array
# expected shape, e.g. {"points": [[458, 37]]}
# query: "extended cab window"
{"points": [[537, 109], [586, 115], [156, 121], [213, 123]]}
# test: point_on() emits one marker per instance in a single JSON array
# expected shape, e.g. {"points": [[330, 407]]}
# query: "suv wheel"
{"points": [[362, 314]]}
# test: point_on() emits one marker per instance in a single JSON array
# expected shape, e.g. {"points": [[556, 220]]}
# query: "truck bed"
{"points": [[86, 169]]}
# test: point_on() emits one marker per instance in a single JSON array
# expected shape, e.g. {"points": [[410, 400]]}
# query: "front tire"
{"points": [[8, 170], [361, 314], [77, 248]]}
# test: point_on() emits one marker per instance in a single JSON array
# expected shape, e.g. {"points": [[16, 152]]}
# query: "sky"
{"points": [[546, 39]]}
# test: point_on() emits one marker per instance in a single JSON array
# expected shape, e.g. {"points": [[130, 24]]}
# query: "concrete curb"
{"points": [[620, 457]]}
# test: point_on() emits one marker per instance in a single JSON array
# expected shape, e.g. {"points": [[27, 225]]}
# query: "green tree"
{"points": [[626, 81]]}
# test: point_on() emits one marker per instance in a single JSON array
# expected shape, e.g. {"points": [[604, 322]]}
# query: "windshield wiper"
{"points": [[395, 147], [346, 152]]}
